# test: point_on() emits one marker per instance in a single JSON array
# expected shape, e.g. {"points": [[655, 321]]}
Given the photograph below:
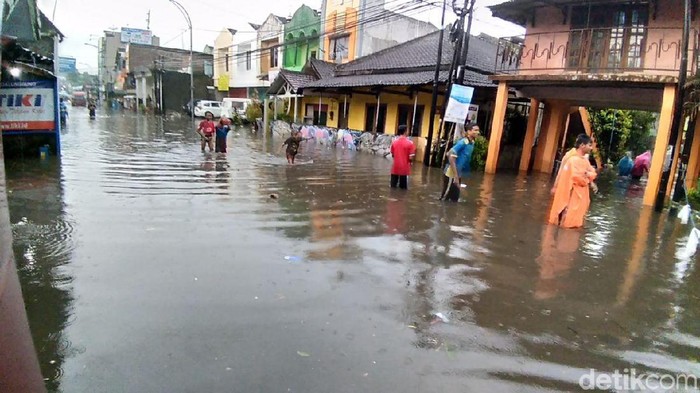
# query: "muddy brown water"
{"points": [[148, 266]]}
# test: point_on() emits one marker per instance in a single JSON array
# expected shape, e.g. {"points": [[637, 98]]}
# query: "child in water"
{"points": [[222, 130], [292, 145]]}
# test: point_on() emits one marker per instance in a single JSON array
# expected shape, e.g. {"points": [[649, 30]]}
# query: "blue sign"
{"points": [[66, 65], [458, 104]]}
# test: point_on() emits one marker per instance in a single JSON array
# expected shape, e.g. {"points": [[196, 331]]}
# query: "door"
{"points": [[344, 109], [406, 118], [370, 118]]}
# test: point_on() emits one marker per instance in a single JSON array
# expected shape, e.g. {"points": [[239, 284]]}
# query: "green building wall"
{"points": [[301, 38]]}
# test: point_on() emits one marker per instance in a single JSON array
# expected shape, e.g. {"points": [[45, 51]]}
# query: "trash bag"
{"points": [[684, 214]]}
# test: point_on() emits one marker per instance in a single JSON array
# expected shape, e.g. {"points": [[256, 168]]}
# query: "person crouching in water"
{"points": [[292, 144], [459, 163], [571, 195], [222, 129]]}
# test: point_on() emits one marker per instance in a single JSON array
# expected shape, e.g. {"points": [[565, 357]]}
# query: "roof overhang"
{"points": [[518, 11]]}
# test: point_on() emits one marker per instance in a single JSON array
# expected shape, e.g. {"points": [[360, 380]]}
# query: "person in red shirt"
{"points": [[206, 130], [403, 150]]}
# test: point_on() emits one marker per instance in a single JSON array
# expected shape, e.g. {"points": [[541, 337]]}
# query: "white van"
{"points": [[204, 106], [231, 106]]}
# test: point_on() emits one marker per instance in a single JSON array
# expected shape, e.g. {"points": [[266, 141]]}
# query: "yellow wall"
{"points": [[332, 107], [347, 10], [357, 108]]}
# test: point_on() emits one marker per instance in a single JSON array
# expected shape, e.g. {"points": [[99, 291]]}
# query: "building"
{"points": [[270, 42], [144, 63], [610, 54], [111, 54], [388, 88], [29, 68], [301, 38], [356, 28]]}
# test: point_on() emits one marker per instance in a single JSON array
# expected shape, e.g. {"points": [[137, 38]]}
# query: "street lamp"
{"points": [[184, 13], [99, 73]]}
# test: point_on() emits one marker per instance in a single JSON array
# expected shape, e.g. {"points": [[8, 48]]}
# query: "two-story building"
{"points": [[356, 28], [609, 54], [301, 38]]}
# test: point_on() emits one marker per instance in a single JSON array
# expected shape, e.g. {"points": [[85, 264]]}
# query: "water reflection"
{"points": [[183, 253], [43, 245]]}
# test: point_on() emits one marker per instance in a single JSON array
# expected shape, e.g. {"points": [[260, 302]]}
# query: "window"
{"points": [[339, 48], [605, 37], [313, 54], [248, 61], [274, 53]]}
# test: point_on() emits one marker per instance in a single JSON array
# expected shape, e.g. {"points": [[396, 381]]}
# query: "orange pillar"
{"points": [[662, 138], [691, 178], [555, 127], [499, 117], [530, 134], [674, 166], [546, 119], [586, 120]]}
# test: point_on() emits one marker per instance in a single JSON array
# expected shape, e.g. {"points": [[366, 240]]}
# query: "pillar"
{"points": [[530, 134], [674, 165], [549, 137], [586, 121], [662, 138], [691, 178], [499, 117]]}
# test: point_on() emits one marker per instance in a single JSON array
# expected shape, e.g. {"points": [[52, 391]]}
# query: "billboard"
{"points": [[66, 65], [458, 105], [27, 106], [136, 36]]}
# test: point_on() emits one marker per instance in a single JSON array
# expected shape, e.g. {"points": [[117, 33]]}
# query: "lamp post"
{"points": [[99, 72], [184, 13]]}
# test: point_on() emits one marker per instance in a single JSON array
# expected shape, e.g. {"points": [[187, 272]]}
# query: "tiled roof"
{"points": [[397, 79], [296, 80], [422, 53], [517, 11], [323, 68]]}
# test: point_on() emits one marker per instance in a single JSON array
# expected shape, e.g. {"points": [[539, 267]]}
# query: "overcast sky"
{"points": [[83, 21]]}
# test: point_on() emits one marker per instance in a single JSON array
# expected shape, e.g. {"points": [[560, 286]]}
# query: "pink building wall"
{"points": [[546, 44]]}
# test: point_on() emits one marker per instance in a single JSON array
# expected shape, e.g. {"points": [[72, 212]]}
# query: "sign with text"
{"points": [[66, 65], [27, 106], [458, 105], [473, 113], [136, 36]]}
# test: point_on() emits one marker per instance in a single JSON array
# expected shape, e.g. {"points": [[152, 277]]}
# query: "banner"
{"points": [[458, 105], [223, 83], [136, 36], [66, 65], [27, 106], [473, 113]]}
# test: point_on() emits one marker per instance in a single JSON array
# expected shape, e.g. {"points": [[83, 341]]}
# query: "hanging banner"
{"points": [[458, 104], [473, 113], [223, 83], [27, 106]]}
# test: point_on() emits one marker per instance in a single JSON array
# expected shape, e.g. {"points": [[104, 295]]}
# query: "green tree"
{"points": [[618, 131]]}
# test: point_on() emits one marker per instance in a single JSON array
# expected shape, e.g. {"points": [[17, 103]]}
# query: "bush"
{"points": [[694, 197], [481, 148], [254, 111]]}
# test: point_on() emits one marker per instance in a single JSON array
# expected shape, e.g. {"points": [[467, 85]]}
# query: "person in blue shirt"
{"points": [[624, 167], [63, 111], [222, 130], [460, 159]]}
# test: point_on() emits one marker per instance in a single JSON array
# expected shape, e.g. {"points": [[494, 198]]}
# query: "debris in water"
{"points": [[303, 354], [274, 196], [412, 327], [292, 258], [195, 278], [441, 317]]}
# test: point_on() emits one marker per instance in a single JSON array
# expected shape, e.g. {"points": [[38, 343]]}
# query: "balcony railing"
{"points": [[637, 50]]}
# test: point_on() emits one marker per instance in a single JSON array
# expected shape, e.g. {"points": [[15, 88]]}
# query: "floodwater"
{"points": [[148, 266]]}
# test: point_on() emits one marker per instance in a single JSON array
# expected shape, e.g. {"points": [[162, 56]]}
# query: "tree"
{"points": [[618, 131]]}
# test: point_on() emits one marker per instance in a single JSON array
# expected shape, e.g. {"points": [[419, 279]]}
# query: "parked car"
{"points": [[234, 107], [188, 107], [204, 106]]}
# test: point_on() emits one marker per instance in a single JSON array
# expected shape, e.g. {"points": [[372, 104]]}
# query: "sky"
{"points": [[83, 21]]}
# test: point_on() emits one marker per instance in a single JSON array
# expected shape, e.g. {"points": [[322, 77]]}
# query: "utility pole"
{"points": [[678, 108], [436, 82], [184, 13], [148, 21]]}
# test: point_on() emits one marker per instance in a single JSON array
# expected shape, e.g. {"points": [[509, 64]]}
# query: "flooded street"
{"points": [[148, 266]]}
